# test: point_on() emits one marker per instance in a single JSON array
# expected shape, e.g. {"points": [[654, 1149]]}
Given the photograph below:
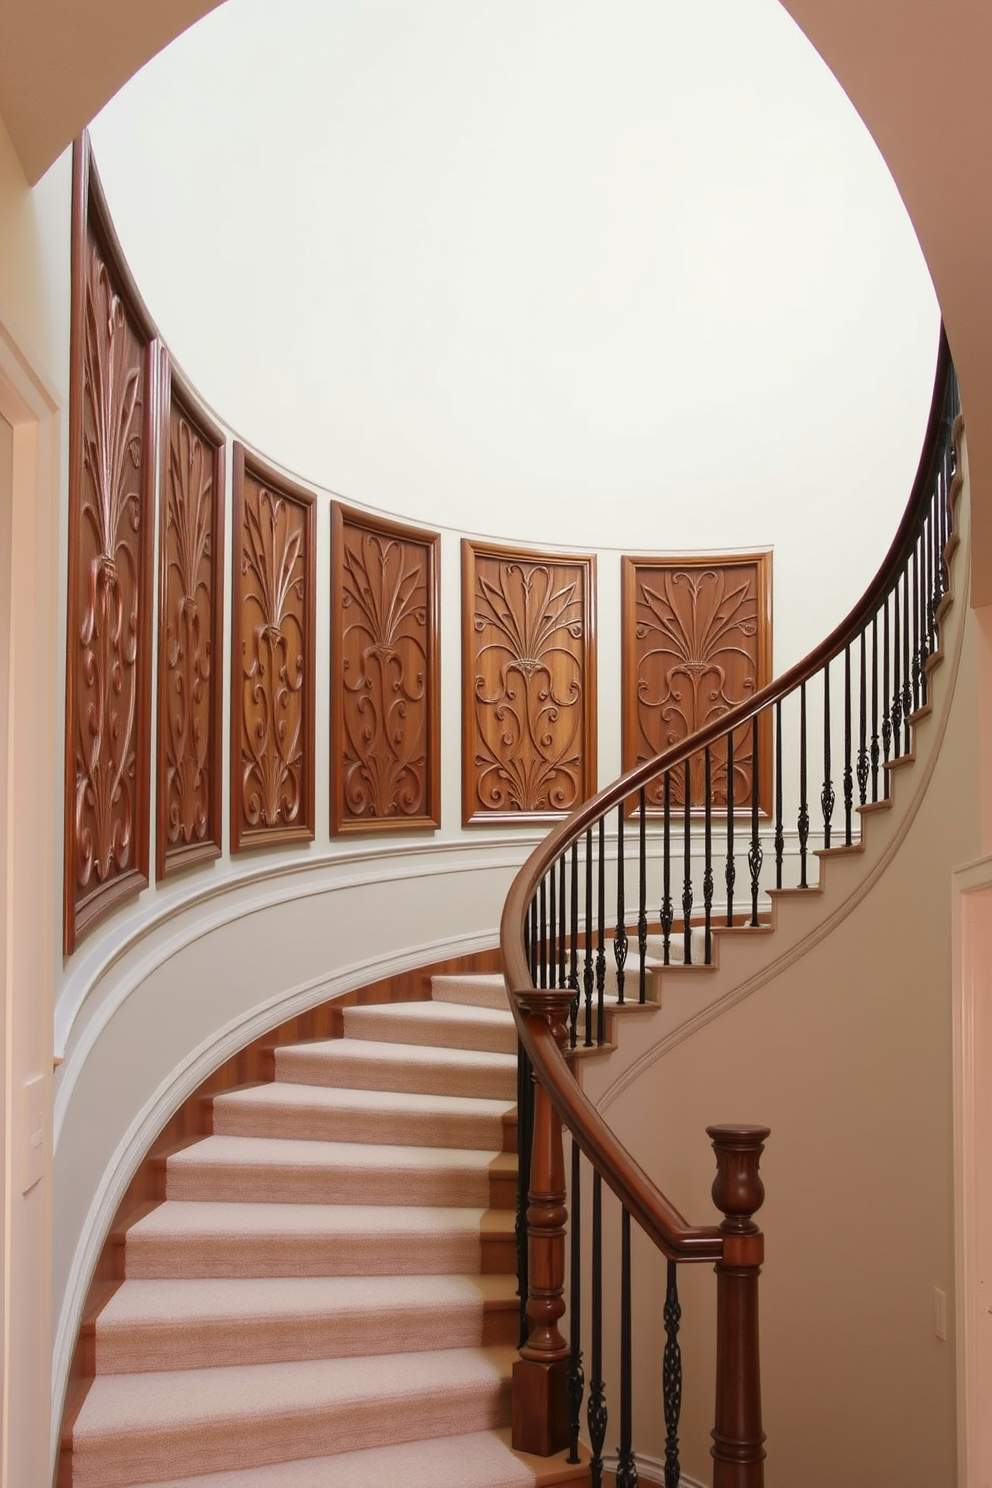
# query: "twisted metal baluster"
{"points": [[731, 872], [626, 1467], [672, 1379], [803, 803], [875, 752], [601, 937], [687, 877], [642, 909], [667, 912], [755, 853], [596, 1412], [827, 796], [862, 767], [896, 676], [848, 776], [779, 824], [708, 858], [588, 975], [573, 949], [907, 683], [620, 935], [886, 716]]}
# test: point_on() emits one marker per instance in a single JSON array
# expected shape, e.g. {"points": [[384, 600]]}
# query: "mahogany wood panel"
{"points": [[529, 683], [385, 674], [190, 631], [112, 431], [697, 638], [272, 672]]}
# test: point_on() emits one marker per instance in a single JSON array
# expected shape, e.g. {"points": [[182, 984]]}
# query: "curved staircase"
{"points": [[327, 1295]]}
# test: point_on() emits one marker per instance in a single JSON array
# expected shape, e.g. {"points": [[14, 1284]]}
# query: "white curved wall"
{"points": [[572, 274]]}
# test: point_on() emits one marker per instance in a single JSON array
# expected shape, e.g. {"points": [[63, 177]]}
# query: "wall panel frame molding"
{"points": [[272, 665], [189, 783], [696, 639], [113, 421], [385, 674], [528, 683]]}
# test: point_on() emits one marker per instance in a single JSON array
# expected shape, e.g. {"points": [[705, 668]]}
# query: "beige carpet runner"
{"points": [[327, 1296]]}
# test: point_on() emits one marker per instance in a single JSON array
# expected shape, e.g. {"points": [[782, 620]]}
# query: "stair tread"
{"points": [[384, 1052], [365, 1157], [202, 1299], [481, 1459], [179, 1216], [342, 1098]]}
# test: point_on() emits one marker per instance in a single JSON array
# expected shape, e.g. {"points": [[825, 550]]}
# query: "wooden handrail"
{"points": [[541, 1016]]}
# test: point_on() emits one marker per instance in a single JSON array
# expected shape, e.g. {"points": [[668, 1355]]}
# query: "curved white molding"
{"points": [[953, 628]]}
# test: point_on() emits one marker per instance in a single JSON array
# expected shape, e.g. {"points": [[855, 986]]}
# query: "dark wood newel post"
{"points": [[738, 1440], [540, 1411]]}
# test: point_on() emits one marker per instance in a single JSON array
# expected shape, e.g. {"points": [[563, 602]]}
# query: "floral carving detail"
{"points": [[187, 640], [107, 629], [385, 643], [273, 566], [696, 631], [529, 686]]}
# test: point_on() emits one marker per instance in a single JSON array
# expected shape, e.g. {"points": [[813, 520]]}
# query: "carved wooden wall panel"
{"points": [[190, 632], [112, 429], [696, 640], [529, 683], [385, 680], [272, 673]]}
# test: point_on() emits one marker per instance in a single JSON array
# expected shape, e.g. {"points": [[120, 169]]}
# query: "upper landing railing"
{"points": [[705, 825]]}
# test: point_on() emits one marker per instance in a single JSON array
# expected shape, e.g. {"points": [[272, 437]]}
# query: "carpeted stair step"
{"points": [[277, 1170], [482, 989], [235, 1418], [481, 1459], [310, 1113], [202, 1324], [360, 1063], [217, 1239], [445, 1025]]}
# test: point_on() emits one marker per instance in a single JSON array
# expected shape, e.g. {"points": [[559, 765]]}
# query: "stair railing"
{"points": [[603, 881]]}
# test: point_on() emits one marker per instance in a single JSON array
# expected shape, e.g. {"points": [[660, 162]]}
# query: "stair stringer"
{"points": [[746, 960]]}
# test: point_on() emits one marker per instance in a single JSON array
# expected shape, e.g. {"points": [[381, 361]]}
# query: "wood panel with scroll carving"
{"points": [[385, 677], [529, 683], [112, 428], [190, 631], [272, 673], [696, 640]]}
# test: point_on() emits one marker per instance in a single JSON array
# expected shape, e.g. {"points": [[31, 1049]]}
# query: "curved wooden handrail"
{"points": [[653, 1212]]}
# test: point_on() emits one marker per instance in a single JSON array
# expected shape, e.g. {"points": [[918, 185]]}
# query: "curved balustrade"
{"points": [[594, 908]]}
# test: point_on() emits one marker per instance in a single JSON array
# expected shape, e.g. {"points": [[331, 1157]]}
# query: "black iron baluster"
{"points": [[626, 1467], [601, 937], [596, 1412], [672, 1379], [573, 949], [907, 681], [667, 913], [575, 1379], [803, 803], [642, 907], [876, 752], [755, 853], [708, 858], [896, 675], [687, 877], [588, 975], [848, 776], [886, 700], [542, 934], [827, 796], [562, 925], [620, 935], [862, 769], [917, 648], [779, 824], [731, 870], [925, 646], [552, 928]]}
